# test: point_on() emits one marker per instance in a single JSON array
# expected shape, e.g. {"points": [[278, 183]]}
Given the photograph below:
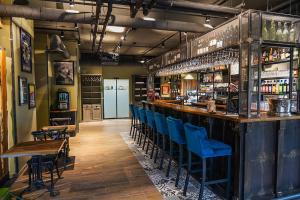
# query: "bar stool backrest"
{"points": [[136, 112], [161, 123], [150, 119], [142, 114], [176, 130], [131, 108], [196, 138]]}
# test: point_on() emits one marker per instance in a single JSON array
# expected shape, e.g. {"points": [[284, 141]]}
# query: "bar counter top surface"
{"points": [[219, 114]]}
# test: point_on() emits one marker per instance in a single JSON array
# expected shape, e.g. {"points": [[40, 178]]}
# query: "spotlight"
{"points": [[62, 34], [207, 23], [123, 37], [71, 3], [76, 25]]}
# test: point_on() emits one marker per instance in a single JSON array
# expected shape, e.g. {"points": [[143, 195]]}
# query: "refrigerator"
{"points": [[116, 98]]}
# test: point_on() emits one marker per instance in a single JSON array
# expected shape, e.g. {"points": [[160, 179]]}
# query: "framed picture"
{"points": [[26, 51], [165, 90], [31, 96], [23, 90], [64, 72]]}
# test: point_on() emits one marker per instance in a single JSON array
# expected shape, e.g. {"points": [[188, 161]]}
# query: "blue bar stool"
{"points": [[152, 131], [137, 121], [162, 130], [176, 133], [143, 122], [132, 127], [200, 145]]}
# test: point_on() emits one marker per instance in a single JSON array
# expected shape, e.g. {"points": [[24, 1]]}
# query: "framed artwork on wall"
{"points": [[23, 90], [64, 72], [31, 96], [26, 51], [165, 90]]}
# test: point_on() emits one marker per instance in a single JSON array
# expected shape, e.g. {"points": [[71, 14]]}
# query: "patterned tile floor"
{"points": [[166, 186]]}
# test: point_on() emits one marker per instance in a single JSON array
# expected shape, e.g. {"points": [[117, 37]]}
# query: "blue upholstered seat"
{"points": [[161, 123], [142, 115], [199, 144], [150, 119], [176, 130]]}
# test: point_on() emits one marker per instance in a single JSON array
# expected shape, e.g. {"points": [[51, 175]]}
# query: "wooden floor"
{"points": [[104, 167]]}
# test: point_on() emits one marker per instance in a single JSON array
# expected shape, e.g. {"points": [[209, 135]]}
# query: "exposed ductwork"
{"points": [[58, 15], [44, 14], [158, 24], [199, 7]]}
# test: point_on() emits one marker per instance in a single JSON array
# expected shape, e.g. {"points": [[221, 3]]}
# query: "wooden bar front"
{"points": [[266, 150]]}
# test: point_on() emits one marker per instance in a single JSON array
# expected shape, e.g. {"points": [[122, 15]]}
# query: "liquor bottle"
{"points": [[277, 87], [285, 33], [292, 33], [272, 32], [271, 55], [263, 58], [282, 54], [285, 87], [280, 91], [264, 30], [279, 32], [270, 87], [275, 55], [273, 87]]}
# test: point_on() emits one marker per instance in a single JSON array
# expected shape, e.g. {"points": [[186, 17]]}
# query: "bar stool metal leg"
{"points": [[179, 164], [157, 147], [228, 177], [203, 178], [153, 144], [163, 152], [188, 173], [170, 159]]}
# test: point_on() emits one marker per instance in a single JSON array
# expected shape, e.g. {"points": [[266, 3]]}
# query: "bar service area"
{"points": [[241, 82], [150, 99]]}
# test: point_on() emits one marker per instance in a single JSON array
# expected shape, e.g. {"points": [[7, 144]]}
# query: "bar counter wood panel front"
{"points": [[266, 151]]}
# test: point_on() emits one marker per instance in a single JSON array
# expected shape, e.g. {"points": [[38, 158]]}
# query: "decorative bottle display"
{"points": [[285, 33], [279, 32], [272, 87], [292, 33], [265, 35], [272, 32]]}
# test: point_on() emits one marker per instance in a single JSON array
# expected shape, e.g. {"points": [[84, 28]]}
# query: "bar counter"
{"points": [[266, 150]]}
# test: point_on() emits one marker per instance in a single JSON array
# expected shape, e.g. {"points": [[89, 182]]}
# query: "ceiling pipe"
{"points": [[58, 15], [283, 5], [98, 10], [159, 24], [108, 15], [45, 14], [199, 6]]}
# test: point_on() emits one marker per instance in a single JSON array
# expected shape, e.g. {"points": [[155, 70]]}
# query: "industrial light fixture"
{"points": [[149, 19], [71, 11], [62, 34], [115, 29], [76, 26], [142, 61], [78, 42], [71, 3], [163, 45], [123, 37], [207, 23]]}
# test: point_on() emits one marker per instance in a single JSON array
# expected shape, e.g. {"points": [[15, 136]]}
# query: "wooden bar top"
{"points": [[219, 114], [34, 148], [70, 128], [63, 111], [204, 104]]}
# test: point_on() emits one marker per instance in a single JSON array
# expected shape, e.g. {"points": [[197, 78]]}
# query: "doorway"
{"points": [[116, 98]]}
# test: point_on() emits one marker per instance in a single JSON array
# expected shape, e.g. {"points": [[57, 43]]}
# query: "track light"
{"points": [[163, 45], [123, 37], [71, 3], [76, 26], [207, 23], [78, 42], [62, 34]]}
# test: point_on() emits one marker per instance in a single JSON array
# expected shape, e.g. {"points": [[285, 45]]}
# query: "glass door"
{"points": [[116, 98], [110, 98], [122, 98]]}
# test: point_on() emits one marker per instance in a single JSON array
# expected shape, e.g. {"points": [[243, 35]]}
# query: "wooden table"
{"points": [[70, 128], [37, 149]]}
